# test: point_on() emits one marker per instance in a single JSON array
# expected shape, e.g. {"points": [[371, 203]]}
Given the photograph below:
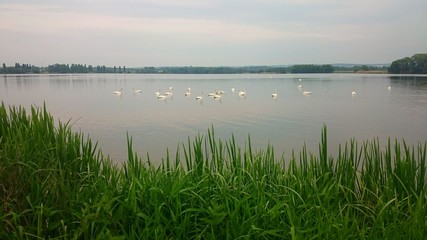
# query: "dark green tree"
{"points": [[417, 64], [310, 68]]}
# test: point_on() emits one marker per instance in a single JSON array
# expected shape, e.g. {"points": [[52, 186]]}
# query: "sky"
{"points": [[141, 33]]}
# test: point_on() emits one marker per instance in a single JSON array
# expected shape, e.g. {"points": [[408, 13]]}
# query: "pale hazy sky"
{"points": [[138, 33]]}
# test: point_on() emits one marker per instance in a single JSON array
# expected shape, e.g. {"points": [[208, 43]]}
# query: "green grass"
{"points": [[54, 183]]}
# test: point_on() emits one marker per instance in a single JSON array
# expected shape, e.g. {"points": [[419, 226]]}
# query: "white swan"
{"points": [[161, 97], [118, 92], [353, 93], [157, 93], [242, 93], [168, 93], [188, 92], [306, 92], [274, 94], [232, 90], [199, 98], [137, 90], [300, 86], [389, 88]]}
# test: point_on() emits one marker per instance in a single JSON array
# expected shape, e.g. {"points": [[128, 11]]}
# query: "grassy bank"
{"points": [[54, 183]]}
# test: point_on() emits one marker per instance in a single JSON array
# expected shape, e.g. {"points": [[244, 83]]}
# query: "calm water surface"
{"points": [[286, 122]]}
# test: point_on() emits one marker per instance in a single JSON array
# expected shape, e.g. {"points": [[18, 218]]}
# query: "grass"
{"points": [[54, 183]]}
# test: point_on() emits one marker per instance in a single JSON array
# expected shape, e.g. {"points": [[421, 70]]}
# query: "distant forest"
{"points": [[83, 68], [60, 68]]}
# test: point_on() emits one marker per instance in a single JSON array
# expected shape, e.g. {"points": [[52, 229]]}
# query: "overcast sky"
{"points": [[138, 33]]}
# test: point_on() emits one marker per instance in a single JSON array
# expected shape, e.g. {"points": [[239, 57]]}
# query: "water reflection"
{"points": [[411, 82], [5, 82], [287, 121], [26, 81]]}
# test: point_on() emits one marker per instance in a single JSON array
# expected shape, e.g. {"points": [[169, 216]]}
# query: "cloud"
{"points": [[41, 19], [211, 31]]}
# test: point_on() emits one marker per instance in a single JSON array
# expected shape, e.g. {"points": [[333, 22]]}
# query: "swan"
{"points": [[353, 93], [242, 93], [274, 94], [305, 92], [118, 92], [161, 97], [300, 86], [232, 90], [157, 93], [137, 90], [168, 93], [199, 98], [389, 88], [188, 93]]}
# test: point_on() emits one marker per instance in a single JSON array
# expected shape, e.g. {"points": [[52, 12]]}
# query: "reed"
{"points": [[55, 183]]}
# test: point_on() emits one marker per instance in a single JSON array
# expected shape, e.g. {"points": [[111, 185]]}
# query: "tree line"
{"points": [[211, 70], [417, 64], [80, 68], [19, 69], [311, 68], [307, 68], [83, 68], [60, 68]]}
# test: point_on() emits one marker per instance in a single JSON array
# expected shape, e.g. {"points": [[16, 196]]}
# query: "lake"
{"points": [[287, 121]]}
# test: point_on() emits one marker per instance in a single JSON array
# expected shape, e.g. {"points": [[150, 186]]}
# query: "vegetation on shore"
{"points": [[416, 64], [300, 68], [54, 183]]}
